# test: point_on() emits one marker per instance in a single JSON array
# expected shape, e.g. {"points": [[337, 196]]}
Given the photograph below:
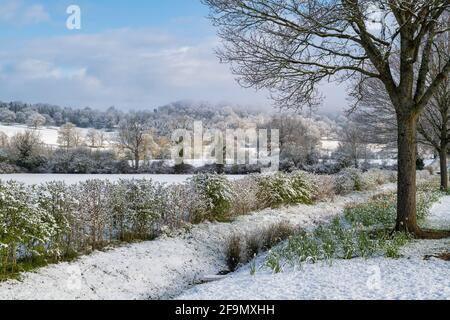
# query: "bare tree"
{"points": [[4, 140], [35, 121], [352, 146], [291, 46], [434, 123], [132, 135], [300, 138], [93, 138], [65, 135], [69, 136], [378, 114]]}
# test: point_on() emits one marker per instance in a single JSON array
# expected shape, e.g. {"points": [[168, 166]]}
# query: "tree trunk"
{"points": [[407, 147], [136, 161], [444, 172]]}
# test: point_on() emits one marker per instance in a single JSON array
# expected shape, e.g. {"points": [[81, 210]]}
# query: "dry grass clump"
{"points": [[241, 249]]}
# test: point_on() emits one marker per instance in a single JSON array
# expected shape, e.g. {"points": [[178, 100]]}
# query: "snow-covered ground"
{"points": [[440, 219], [410, 277], [75, 178], [49, 135], [165, 267]]}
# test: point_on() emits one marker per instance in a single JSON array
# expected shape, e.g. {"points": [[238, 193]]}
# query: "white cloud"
{"points": [[9, 10], [127, 68], [35, 14], [19, 13]]}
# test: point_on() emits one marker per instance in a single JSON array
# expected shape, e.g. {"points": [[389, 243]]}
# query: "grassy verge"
{"points": [[363, 231]]}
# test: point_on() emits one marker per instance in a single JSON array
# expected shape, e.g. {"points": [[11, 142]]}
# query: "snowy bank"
{"points": [[410, 277], [165, 267]]}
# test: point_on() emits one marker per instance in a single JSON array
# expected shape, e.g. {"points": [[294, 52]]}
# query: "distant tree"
{"points": [[131, 136], [93, 138], [35, 121], [300, 138], [4, 140], [434, 123], [69, 136], [49, 120], [102, 138], [21, 117], [7, 116], [352, 145], [26, 150], [78, 138]]}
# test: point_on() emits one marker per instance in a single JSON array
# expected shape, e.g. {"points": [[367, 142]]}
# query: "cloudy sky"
{"points": [[132, 54]]}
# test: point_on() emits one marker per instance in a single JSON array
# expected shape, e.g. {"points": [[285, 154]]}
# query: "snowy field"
{"points": [[163, 268], [49, 135], [75, 178]]}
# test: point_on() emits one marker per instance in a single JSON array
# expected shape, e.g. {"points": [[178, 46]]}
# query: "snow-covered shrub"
{"points": [[217, 191], [430, 169], [245, 193], [94, 213], [280, 189], [377, 177], [325, 187], [391, 175], [138, 207], [57, 199], [185, 205], [349, 180], [6, 168], [304, 187], [25, 228], [118, 206], [274, 190]]}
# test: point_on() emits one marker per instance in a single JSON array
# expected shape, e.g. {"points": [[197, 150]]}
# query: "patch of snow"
{"points": [[358, 279], [49, 135], [440, 219]]}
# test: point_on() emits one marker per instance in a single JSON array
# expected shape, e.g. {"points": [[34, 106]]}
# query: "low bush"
{"points": [[284, 189], [325, 187], [217, 191], [25, 228], [244, 196], [423, 175], [349, 180]]}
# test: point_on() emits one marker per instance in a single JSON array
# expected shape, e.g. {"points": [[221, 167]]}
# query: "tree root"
{"points": [[426, 234]]}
